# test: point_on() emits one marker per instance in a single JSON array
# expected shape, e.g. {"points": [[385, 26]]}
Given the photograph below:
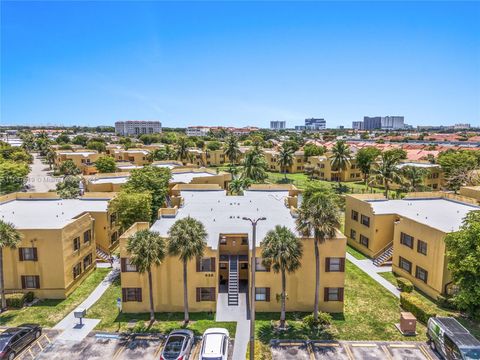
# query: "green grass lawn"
{"points": [[390, 277], [49, 312], [111, 320], [355, 253], [370, 314]]}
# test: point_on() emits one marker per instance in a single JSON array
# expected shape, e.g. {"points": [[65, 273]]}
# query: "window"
{"points": [[205, 264], [126, 266], [422, 247], [406, 240], [114, 237], [245, 240], [333, 294], [354, 215], [421, 273], [243, 266], [223, 266], [76, 244], [435, 175], [333, 264], [77, 270], [87, 261], [30, 281], [259, 265], [113, 218], [223, 240], [27, 254], [131, 294], [205, 294], [365, 220], [364, 240], [262, 294], [87, 236], [353, 234], [405, 264]]}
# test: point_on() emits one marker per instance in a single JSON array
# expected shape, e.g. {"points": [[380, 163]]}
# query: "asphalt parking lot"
{"points": [[346, 350]]}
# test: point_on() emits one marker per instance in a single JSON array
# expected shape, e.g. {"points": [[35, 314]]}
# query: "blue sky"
{"points": [[239, 63]]}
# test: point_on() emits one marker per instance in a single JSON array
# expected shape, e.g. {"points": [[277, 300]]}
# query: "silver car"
{"points": [[178, 345]]}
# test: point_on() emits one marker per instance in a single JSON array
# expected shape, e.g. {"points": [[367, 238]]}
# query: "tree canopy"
{"points": [[132, 208], [106, 164]]}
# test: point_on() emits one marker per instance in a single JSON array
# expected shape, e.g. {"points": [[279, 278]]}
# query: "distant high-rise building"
{"points": [[278, 125], [461, 126], [137, 127], [357, 125], [372, 123], [392, 122], [315, 124], [197, 131]]}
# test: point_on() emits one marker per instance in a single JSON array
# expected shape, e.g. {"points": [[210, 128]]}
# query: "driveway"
{"points": [[40, 178]]}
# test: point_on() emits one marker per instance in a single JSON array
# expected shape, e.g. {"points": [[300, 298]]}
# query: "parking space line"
{"points": [[387, 352], [30, 352], [310, 351], [327, 344], [291, 344], [364, 345], [47, 338], [348, 351], [160, 346], [120, 350], [402, 345], [425, 352]]}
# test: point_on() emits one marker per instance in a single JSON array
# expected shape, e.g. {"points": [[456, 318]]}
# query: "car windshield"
{"points": [[471, 354], [4, 338], [173, 347]]}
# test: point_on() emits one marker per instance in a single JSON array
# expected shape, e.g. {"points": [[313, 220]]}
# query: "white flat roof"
{"points": [[129, 166], [222, 214], [419, 165], [442, 214], [80, 153], [166, 165], [184, 178], [47, 213]]}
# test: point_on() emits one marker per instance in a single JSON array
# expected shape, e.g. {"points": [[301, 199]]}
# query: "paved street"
{"points": [[40, 178]]}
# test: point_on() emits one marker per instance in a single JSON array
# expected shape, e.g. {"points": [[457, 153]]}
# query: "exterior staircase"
{"points": [[384, 256], [233, 286], [102, 256]]}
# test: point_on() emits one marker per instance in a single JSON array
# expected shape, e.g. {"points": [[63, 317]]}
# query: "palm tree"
{"points": [[386, 170], [318, 217], [254, 166], [9, 237], [237, 186], [147, 249], [187, 240], [285, 158], [231, 149], [365, 158], [50, 157], [182, 148], [341, 156], [282, 250], [414, 176]]}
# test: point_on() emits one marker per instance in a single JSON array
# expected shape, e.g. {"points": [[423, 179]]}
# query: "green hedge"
{"points": [[15, 301], [404, 285], [421, 310]]}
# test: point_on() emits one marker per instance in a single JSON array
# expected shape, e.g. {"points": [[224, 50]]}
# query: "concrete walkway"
{"points": [[373, 271], [69, 324], [39, 178], [238, 314]]}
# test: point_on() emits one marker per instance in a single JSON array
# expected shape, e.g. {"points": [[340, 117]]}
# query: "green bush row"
{"points": [[404, 285], [421, 310], [17, 300]]}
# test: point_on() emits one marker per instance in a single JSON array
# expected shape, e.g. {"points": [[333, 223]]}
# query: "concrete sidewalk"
{"points": [[69, 324], [238, 314], [373, 271]]}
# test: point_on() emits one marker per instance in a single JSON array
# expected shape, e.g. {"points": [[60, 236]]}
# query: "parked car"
{"points": [[451, 340], [15, 339], [178, 345], [214, 344]]}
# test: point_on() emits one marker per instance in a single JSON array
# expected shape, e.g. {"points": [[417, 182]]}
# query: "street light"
{"points": [[252, 285]]}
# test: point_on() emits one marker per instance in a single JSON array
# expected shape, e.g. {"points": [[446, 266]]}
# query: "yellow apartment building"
{"points": [[180, 175], [321, 168], [83, 159], [135, 156], [298, 164], [222, 275], [434, 180], [60, 238], [410, 232], [471, 192]]}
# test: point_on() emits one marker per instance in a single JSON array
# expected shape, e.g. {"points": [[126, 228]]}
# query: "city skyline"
{"points": [[239, 64]]}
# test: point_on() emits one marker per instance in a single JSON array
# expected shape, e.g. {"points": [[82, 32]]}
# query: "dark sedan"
{"points": [[14, 340]]}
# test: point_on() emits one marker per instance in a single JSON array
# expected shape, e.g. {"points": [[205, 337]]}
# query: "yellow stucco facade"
{"points": [[83, 159], [321, 168]]}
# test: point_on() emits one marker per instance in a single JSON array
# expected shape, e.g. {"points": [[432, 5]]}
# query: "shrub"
{"points": [[323, 320], [15, 300], [404, 285], [421, 310], [29, 296], [446, 302]]}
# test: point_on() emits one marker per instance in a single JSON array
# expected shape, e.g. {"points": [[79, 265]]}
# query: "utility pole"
{"points": [[252, 284]]}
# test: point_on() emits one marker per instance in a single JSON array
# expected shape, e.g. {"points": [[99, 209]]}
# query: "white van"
{"points": [[451, 340]]}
